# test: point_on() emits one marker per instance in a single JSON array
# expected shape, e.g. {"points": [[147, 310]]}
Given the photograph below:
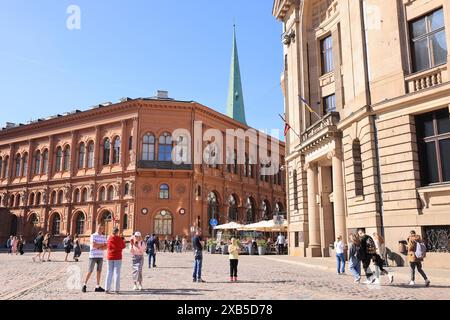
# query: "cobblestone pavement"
{"points": [[259, 278]]}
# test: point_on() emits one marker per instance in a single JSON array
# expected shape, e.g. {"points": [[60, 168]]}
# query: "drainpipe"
{"points": [[380, 207]]}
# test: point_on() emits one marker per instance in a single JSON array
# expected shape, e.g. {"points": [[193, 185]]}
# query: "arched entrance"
{"points": [[250, 210], [232, 208], [32, 227], [107, 220], [265, 210], [13, 226]]}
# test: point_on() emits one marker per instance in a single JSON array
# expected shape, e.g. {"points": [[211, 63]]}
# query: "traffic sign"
{"points": [[213, 222]]}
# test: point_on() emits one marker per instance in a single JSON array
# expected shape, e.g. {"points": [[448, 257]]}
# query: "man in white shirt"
{"points": [[339, 247], [280, 242], [98, 247]]}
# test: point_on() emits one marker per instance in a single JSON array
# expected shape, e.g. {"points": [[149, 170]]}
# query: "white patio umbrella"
{"points": [[229, 226]]}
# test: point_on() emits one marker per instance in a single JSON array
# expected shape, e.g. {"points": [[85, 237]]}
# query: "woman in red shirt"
{"points": [[116, 244]]}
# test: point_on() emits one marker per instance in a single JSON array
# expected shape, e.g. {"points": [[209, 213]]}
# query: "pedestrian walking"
{"points": [[416, 254], [378, 259], [151, 250], [46, 244], [184, 245], [339, 248], [76, 248], [280, 243], [366, 251], [38, 245], [98, 245], [172, 245], [15, 244], [20, 245], [9, 244], [158, 245], [233, 250], [166, 244], [354, 260], [68, 245], [137, 248], [198, 256], [116, 243]]}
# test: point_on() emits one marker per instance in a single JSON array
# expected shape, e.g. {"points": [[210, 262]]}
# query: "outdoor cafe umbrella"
{"points": [[229, 226]]}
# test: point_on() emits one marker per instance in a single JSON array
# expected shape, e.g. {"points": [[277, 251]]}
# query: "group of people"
{"points": [[365, 250], [172, 245], [15, 245], [42, 246]]}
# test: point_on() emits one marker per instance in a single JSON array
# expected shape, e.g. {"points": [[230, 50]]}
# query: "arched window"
{"points": [[76, 196], [106, 152], [53, 197], [116, 150], [164, 191], [213, 209], [11, 201], [17, 171], [199, 191], [163, 223], [110, 193], [56, 224], [357, 168], [250, 206], [45, 162], [79, 222], [38, 199], [148, 147], [17, 204], [165, 147], [6, 165], [31, 200], [37, 163], [66, 163], [102, 194], [84, 195], [127, 189], [81, 156], [232, 209], [125, 222], [60, 197], [59, 156], [90, 157], [25, 164]]}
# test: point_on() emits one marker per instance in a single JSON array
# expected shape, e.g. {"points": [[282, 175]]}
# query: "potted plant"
{"points": [[212, 246], [262, 245]]}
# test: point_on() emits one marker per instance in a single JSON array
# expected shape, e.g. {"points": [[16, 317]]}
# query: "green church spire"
{"points": [[235, 104]]}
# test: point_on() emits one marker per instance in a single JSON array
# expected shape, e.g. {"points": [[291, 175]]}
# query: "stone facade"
{"points": [[67, 174], [365, 162]]}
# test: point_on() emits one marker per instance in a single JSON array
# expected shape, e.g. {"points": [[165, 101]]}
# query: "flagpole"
{"points": [[293, 130], [310, 109]]}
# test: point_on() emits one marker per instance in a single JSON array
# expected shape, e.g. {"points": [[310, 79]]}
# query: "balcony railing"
{"points": [[426, 79], [325, 127]]}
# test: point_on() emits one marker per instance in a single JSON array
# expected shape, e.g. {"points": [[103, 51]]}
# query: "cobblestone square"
{"points": [[260, 278]]}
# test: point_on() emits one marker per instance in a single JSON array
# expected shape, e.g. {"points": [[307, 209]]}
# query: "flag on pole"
{"points": [[287, 127], [309, 107]]}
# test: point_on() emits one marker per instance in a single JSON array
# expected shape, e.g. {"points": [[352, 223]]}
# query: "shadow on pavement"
{"points": [[181, 292]]}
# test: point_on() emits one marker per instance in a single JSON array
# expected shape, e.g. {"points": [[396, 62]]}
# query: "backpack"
{"points": [[421, 250], [371, 248]]}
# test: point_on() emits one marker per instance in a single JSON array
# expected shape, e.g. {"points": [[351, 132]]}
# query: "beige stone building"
{"points": [[377, 153]]}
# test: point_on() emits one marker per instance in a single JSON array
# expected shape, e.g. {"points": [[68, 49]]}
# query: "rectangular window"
{"points": [[433, 136], [297, 238], [326, 48], [329, 104], [428, 43]]}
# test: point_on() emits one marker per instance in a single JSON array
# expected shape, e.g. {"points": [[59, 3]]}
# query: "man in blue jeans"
{"points": [[198, 252], [339, 247], [151, 246]]}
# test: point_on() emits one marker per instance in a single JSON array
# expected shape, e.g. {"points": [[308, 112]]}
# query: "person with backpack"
{"points": [[68, 245], [416, 253], [367, 251], [354, 259]]}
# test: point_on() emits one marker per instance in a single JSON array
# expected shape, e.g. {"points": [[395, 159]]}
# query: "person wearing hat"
{"points": [[137, 249], [116, 244]]}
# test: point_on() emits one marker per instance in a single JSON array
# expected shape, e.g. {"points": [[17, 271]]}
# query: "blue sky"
{"points": [[133, 48]]}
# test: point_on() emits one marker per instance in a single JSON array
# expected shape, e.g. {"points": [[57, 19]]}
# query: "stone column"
{"points": [[338, 194], [313, 249]]}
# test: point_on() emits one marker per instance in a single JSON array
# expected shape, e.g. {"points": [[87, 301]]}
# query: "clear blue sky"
{"points": [[133, 48]]}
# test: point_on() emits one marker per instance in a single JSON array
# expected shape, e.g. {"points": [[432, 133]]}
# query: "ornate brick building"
{"points": [[375, 152], [114, 164]]}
